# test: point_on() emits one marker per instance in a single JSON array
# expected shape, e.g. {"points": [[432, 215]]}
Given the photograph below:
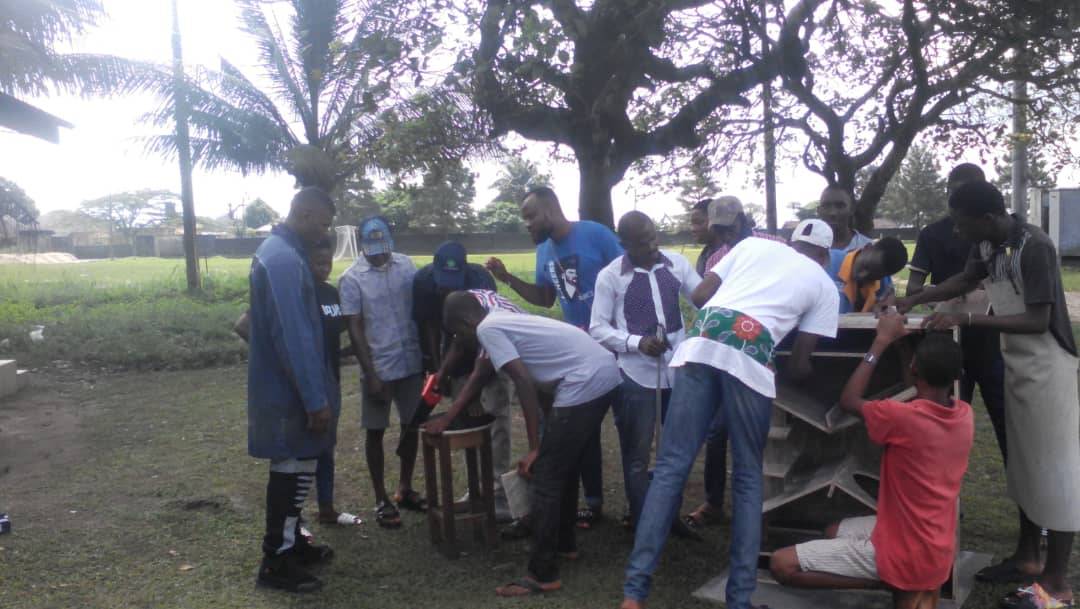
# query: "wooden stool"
{"points": [[479, 510]]}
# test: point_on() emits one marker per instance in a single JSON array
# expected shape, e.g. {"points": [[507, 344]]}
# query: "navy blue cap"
{"points": [[450, 265]]}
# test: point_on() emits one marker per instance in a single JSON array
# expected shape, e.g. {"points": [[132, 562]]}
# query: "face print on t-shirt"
{"points": [[564, 274]]}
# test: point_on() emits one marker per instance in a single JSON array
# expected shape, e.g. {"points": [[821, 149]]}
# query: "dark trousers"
{"points": [[983, 366], [716, 464], [567, 433], [592, 473], [290, 482], [324, 478]]}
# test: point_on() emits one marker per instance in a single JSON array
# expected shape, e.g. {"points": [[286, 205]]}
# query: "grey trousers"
{"points": [[495, 401]]}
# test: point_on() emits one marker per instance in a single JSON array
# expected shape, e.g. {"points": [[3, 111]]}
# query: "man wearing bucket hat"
{"points": [[377, 298]]}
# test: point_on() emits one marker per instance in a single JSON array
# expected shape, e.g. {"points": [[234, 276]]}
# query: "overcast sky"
{"points": [[103, 154]]}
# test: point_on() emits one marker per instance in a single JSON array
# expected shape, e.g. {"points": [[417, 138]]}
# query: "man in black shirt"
{"points": [[941, 253], [452, 359]]}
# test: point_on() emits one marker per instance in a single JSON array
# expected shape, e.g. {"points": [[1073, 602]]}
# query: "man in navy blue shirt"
{"points": [[293, 395], [569, 256]]}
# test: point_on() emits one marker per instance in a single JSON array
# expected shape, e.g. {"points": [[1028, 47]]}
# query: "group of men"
{"points": [[624, 345]]}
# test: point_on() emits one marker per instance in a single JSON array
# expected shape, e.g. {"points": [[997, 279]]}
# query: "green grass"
{"points": [[156, 478], [135, 313]]}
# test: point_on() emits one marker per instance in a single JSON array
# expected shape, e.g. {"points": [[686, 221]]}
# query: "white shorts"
{"points": [[849, 555]]}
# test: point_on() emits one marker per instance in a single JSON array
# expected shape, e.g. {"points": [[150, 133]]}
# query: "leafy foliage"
{"points": [[15, 207], [128, 211], [500, 217], [29, 33], [440, 203], [916, 195], [258, 214], [516, 178], [615, 81]]}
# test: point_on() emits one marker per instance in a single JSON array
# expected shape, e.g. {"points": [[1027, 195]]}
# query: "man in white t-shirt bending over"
{"points": [[543, 355], [752, 299]]}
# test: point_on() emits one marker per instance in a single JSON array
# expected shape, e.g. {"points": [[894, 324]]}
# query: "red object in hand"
{"points": [[431, 395]]}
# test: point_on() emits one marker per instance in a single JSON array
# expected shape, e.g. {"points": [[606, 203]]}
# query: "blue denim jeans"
{"points": [[716, 464], [700, 393], [635, 419]]}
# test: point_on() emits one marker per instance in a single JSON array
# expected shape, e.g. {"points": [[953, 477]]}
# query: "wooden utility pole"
{"points": [[769, 139], [181, 110], [1019, 148]]}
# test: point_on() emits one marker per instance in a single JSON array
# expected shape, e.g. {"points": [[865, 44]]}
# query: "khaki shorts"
{"points": [[850, 555], [404, 393]]}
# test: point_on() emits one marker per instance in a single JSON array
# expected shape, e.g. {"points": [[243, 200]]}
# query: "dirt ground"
{"points": [[135, 490]]}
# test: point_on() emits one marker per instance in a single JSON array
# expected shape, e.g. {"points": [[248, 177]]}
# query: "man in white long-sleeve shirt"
{"points": [[635, 294]]}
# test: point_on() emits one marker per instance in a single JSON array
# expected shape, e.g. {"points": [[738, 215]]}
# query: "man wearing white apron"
{"points": [[1018, 265]]}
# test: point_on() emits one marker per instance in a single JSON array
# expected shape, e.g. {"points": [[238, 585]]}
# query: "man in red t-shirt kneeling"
{"points": [[909, 547]]}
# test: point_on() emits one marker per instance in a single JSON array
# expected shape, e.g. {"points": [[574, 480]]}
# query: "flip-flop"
{"points": [[387, 515], [1005, 572], [411, 500], [1034, 597], [347, 519], [526, 587], [587, 518]]}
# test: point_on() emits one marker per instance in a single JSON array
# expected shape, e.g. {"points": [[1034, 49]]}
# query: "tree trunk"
{"points": [[183, 145], [594, 192]]}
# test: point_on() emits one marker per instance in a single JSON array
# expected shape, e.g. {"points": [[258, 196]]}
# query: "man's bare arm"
{"points": [[799, 367], [916, 283], [705, 290], [539, 295], [890, 327]]}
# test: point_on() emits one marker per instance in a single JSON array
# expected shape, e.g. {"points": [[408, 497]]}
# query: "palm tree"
{"points": [[335, 66], [29, 65]]}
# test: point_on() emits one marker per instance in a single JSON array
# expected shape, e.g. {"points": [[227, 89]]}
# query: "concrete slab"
{"points": [[9, 381], [774, 595]]}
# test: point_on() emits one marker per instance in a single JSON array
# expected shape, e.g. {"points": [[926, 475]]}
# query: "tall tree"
{"points": [[16, 208], [1040, 174], [258, 214], [500, 217], [515, 179], [30, 31], [337, 65], [617, 81], [916, 194], [935, 67], [127, 212]]}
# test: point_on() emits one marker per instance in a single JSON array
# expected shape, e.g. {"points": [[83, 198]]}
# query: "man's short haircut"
{"points": [[893, 254], [631, 221], [966, 172], [976, 199], [702, 206], [542, 192], [312, 194], [938, 359], [460, 305], [838, 188]]}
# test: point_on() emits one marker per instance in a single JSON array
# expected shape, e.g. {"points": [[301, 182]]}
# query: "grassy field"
{"points": [[131, 486], [134, 312]]}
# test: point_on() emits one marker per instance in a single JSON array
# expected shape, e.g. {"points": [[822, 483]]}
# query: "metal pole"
{"points": [[1019, 142], [181, 110]]}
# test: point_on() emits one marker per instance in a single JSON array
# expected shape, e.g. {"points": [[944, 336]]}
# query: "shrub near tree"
{"points": [[258, 213]]}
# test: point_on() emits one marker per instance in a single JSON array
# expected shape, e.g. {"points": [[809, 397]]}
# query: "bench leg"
{"points": [[476, 498]]}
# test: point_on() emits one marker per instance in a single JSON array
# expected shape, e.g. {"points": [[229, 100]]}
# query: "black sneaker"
{"points": [[309, 555], [285, 573]]}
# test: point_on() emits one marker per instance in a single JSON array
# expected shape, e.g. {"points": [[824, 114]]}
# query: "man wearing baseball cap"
{"points": [[377, 299], [454, 360], [754, 297]]}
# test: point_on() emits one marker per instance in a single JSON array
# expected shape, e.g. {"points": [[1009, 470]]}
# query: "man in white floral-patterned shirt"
{"points": [[751, 300]]}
